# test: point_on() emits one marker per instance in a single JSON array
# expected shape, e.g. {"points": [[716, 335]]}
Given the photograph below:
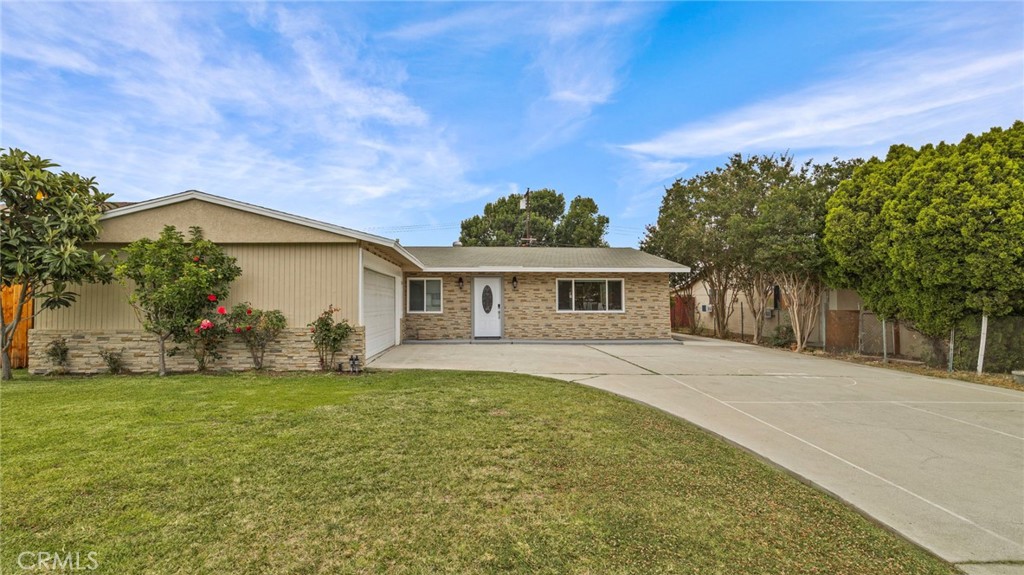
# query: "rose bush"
{"points": [[329, 336], [257, 328]]}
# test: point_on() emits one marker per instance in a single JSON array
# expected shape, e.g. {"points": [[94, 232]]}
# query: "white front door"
{"points": [[486, 307]]}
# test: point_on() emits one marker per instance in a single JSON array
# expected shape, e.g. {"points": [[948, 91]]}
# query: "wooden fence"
{"points": [[19, 349]]}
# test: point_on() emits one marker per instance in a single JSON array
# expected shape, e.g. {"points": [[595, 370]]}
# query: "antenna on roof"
{"points": [[524, 204]]}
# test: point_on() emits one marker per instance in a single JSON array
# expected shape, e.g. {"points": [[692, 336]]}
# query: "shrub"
{"points": [[329, 337], [175, 282], [1003, 349], [205, 339], [57, 351], [114, 360], [782, 336], [257, 328]]}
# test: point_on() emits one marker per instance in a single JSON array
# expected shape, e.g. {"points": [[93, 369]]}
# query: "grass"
{"points": [[411, 472]]}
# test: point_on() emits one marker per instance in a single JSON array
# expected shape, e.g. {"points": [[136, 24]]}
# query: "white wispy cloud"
{"points": [[880, 104], [577, 50], [157, 98]]}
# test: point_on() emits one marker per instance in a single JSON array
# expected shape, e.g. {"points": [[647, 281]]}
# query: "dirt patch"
{"points": [[1004, 380]]}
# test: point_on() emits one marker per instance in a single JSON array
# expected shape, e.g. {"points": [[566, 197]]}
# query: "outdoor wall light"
{"points": [[515, 282], [461, 283]]}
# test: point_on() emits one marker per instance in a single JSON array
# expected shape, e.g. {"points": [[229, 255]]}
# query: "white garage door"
{"points": [[378, 311]]}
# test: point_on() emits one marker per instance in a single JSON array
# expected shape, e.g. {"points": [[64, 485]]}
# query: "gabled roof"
{"points": [[537, 259], [447, 259], [259, 210]]}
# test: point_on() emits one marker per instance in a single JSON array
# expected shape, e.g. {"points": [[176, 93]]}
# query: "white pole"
{"points": [[981, 346], [952, 334], [860, 330], [885, 346]]}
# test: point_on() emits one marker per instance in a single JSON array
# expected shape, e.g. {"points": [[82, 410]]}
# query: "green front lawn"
{"points": [[414, 472]]}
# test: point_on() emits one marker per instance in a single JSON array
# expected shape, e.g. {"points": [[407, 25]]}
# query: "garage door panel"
{"points": [[378, 311]]}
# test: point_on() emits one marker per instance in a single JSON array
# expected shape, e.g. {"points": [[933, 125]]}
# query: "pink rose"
{"points": [[197, 330], [195, 259], [205, 324], [211, 297]]}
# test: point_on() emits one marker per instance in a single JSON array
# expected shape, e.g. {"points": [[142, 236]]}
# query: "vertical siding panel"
{"points": [[299, 279]]}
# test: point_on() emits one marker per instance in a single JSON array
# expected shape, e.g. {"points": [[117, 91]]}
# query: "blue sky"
{"points": [[402, 119]]}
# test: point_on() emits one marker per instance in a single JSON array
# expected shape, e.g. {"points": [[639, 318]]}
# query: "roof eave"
{"points": [[524, 269]]}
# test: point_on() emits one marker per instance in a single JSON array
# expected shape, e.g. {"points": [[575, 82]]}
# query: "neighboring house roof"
{"points": [[538, 259], [259, 210]]}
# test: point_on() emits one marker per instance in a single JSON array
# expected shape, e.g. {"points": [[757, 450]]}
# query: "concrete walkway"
{"points": [[937, 460]]}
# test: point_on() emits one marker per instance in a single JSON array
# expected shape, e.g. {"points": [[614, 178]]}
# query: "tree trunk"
{"points": [[5, 348], [7, 331], [802, 294], [896, 338], [756, 293], [720, 282], [163, 362], [5, 359]]}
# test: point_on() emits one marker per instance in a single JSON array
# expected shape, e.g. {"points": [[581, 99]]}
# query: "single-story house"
{"points": [[389, 293]]}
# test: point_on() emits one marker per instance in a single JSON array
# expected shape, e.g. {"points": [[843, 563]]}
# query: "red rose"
{"points": [[221, 310], [195, 258], [197, 330], [248, 312], [238, 330], [211, 297], [248, 328]]}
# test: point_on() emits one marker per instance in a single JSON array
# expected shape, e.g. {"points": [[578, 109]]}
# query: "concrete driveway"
{"points": [[937, 460]]}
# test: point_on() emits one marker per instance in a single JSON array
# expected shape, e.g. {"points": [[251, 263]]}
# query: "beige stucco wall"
{"points": [[301, 280], [530, 310], [220, 224]]}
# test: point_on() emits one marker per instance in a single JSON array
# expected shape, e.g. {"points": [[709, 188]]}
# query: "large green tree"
{"points": [[175, 282], [504, 222], [711, 222], [789, 245], [692, 229], [937, 234], [754, 182], [858, 239], [748, 225], [48, 219]]}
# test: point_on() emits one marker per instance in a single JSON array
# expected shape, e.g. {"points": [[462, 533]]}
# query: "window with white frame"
{"points": [[590, 295], [424, 295]]}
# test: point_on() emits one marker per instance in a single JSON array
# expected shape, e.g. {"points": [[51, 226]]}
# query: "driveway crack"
{"points": [[648, 370]]}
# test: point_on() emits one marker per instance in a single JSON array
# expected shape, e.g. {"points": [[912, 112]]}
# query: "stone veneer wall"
{"points": [[530, 311], [292, 351], [453, 322]]}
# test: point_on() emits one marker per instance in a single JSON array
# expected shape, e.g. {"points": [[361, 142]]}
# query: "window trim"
{"points": [[408, 294], [606, 280]]}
